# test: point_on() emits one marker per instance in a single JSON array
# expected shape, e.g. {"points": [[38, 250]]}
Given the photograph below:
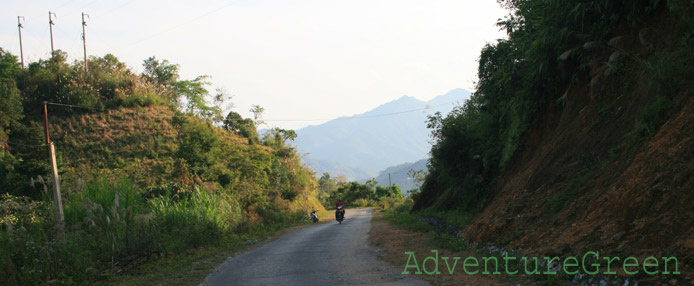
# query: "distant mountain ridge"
{"points": [[388, 135], [399, 175]]}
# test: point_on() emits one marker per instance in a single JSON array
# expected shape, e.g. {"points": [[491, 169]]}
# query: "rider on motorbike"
{"points": [[340, 206], [314, 215]]}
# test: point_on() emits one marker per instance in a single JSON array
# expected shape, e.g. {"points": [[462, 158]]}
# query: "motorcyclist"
{"points": [[337, 208], [314, 214]]}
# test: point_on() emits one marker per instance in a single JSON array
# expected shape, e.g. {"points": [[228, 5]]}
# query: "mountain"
{"points": [[385, 136], [399, 176], [335, 168]]}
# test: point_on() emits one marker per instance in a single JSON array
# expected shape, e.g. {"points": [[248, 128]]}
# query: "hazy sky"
{"points": [[299, 59]]}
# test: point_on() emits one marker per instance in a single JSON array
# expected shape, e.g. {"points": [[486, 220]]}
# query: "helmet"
{"points": [[339, 200]]}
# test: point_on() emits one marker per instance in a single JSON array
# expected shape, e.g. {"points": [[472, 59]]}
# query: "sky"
{"points": [[298, 59]]}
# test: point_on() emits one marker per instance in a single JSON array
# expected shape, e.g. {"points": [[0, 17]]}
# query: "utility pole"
{"points": [[84, 40], [390, 185], [19, 26], [50, 25], [59, 216]]}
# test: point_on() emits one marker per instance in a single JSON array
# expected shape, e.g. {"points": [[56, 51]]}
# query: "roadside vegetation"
{"points": [[355, 194], [566, 110], [149, 168], [552, 45]]}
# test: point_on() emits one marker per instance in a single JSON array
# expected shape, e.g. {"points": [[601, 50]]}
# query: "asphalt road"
{"points": [[324, 254]]}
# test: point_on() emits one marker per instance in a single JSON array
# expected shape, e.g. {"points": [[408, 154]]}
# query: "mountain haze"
{"points": [[388, 135], [399, 175]]}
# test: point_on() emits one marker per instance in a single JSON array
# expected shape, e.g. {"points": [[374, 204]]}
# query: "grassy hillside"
{"points": [[148, 169], [579, 135]]}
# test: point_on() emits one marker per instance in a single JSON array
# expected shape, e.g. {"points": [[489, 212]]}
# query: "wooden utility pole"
{"points": [[19, 26], [50, 25], [84, 40], [59, 216], [390, 185]]}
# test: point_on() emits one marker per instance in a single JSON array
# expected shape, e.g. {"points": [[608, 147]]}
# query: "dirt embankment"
{"points": [[586, 179]]}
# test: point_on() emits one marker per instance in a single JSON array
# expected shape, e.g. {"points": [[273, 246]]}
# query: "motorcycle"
{"points": [[314, 217], [340, 214]]}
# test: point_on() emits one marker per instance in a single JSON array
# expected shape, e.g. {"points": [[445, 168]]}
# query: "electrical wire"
{"points": [[25, 145], [362, 117], [70, 105], [293, 120]]}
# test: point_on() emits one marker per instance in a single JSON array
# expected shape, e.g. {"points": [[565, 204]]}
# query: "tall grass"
{"points": [[112, 226], [195, 220]]}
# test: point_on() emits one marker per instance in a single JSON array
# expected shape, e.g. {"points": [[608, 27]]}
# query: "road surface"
{"points": [[324, 254]]}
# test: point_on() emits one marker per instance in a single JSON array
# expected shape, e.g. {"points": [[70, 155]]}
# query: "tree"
{"points": [[277, 137], [257, 111], [418, 177], [233, 122], [195, 94], [161, 73], [164, 76], [220, 98], [11, 112]]}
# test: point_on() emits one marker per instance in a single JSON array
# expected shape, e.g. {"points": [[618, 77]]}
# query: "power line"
{"points": [[362, 117], [70, 105], [25, 145], [314, 119]]}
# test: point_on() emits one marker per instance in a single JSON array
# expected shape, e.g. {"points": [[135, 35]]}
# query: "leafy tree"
{"points": [[11, 112], [190, 95], [392, 192], [245, 127], [418, 177], [278, 137], [195, 93], [161, 73], [353, 193], [257, 111]]}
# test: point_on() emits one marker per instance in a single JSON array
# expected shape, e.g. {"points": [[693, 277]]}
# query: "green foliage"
{"points": [[111, 225], [196, 142], [257, 111], [11, 112], [167, 158], [190, 95], [195, 220], [327, 185], [27, 159], [245, 127], [102, 229], [402, 217], [550, 43], [277, 137], [171, 191], [354, 194], [161, 73]]}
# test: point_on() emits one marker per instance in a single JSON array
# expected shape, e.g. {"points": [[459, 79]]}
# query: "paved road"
{"points": [[324, 254]]}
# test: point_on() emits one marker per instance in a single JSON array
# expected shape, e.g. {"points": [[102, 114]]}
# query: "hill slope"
{"points": [[606, 161], [154, 145]]}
